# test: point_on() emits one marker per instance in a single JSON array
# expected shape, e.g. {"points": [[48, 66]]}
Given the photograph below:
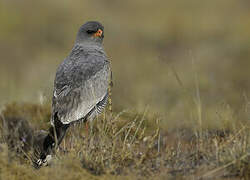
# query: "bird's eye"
{"points": [[90, 31]]}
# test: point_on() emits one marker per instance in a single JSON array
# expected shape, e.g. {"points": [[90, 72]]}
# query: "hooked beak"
{"points": [[98, 33]]}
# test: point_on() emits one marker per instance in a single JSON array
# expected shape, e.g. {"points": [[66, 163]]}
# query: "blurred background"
{"points": [[183, 60]]}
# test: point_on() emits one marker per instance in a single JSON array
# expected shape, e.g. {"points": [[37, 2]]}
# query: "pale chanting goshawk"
{"points": [[81, 85]]}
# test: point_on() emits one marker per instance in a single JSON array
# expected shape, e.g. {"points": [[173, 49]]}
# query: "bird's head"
{"points": [[90, 32]]}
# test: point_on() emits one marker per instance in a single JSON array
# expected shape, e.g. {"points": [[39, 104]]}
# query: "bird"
{"points": [[81, 85]]}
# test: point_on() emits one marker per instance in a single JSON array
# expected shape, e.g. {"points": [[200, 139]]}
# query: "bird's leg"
{"points": [[87, 129]]}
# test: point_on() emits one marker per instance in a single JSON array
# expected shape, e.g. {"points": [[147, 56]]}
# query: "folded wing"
{"points": [[80, 88]]}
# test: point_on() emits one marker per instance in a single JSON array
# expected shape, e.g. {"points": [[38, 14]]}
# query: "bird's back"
{"points": [[81, 82]]}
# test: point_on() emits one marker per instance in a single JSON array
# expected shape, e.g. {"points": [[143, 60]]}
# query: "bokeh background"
{"points": [[181, 60]]}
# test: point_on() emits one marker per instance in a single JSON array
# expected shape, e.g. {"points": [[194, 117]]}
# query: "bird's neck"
{"points": [[89, 45], [87, 48]]}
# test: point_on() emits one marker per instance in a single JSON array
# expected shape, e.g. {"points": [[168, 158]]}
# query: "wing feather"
{"points": [[79, 88]]}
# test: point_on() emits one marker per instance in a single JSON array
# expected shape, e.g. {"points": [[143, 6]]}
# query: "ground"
{"points": [[181, 94], [123, 146]]}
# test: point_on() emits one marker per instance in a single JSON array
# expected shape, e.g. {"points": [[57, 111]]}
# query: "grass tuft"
{"points": [[121, 145]]}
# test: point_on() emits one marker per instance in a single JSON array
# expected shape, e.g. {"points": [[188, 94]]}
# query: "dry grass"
{"points": [[124, 146], [188, 114]]}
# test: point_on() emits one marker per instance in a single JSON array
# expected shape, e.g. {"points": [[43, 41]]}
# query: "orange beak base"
{"points": [[98, 33]]}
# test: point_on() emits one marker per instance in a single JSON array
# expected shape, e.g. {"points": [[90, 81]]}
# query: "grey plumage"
{"points": [[80, 87], [82, 81]]}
